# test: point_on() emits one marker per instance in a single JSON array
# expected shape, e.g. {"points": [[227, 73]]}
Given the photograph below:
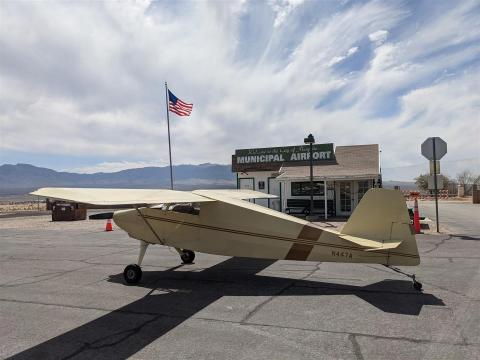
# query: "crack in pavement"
{"points": [[437, 245], [159, 315], [55, 275], [280, 292], [355, 346], [127, 333]]}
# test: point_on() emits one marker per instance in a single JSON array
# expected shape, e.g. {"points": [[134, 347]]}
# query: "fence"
{"points": [[426, 195]]}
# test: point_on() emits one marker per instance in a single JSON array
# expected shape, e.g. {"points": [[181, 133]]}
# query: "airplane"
{"points": [[221, 222]]}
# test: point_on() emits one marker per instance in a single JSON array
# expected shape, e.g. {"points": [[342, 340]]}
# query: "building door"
{"points": [[248, 184], [274, 189], [344, 200]]}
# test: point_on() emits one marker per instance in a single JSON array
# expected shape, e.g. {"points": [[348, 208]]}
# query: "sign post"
{"points": [[434, 148]]}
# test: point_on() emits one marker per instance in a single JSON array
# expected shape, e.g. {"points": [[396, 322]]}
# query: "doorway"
{"points": [[345, 198]]}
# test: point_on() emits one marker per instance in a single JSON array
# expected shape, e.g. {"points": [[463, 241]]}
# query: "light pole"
{"points": [[310, 140]]}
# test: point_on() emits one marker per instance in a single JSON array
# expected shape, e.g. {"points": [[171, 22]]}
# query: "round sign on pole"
{"points": [[440, 148]]}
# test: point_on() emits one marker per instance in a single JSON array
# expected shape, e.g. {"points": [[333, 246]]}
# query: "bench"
{"points": [[302, 206]]}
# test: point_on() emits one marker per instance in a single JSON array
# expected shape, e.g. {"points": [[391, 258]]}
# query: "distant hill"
{"points": [[404, 185], [22, 178]]}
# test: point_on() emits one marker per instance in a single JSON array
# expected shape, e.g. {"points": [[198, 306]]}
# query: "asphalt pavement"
{"points": [[62, 296], [459, 218]]}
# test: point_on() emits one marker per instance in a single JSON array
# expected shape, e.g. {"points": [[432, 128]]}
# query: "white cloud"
{"points": [[378, 37], [335, 60], [283, 8], [87, 79]]}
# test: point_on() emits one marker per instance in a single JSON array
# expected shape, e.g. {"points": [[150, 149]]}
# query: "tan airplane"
{"points": [[221, 222]]}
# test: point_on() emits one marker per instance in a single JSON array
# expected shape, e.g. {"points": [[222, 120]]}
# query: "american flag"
{"points": [[178, 106]]}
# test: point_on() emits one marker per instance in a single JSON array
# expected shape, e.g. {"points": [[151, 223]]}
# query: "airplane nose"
{"points": [[126, 219], [131, 222]]}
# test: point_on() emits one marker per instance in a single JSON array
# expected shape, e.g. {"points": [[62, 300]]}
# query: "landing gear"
{"points": [[187, 256], [133, 272], [416, 285]]}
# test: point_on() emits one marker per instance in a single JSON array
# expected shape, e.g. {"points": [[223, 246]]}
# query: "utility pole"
{"points": [[311, 140]]}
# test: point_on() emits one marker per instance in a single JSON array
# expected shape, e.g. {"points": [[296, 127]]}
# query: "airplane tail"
{"points": [[381, 222]]}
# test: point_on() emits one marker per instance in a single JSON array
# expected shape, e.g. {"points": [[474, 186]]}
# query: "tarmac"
{"points": [[62, 296]]}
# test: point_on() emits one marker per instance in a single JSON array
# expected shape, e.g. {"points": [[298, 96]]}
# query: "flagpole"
{"points": [[169, 143]]}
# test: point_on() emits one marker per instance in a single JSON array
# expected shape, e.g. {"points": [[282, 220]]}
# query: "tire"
{"points": [[132, 274], [187, 256]]}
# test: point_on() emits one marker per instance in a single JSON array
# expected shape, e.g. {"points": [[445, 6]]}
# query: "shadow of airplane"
{"points": [[125, 331]]}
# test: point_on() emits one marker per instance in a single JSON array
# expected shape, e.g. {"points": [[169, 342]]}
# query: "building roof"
{"points": [[355, 161]]}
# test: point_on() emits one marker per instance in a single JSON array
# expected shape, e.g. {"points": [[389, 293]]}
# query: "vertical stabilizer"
{"points": [[381, 219]]}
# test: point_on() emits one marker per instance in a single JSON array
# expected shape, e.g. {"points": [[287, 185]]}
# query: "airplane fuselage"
{"points": [[224, 228]]}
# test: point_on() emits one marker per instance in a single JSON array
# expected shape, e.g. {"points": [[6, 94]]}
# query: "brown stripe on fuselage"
{"points": [[299, 252], [302, 251], [310, 233]]}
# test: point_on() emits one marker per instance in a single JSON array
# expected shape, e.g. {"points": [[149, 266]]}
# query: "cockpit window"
{"points": [[185, 208]]}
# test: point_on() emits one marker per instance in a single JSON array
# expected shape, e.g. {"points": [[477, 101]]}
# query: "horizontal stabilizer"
{"points": [[388, 246], [372, 245]]}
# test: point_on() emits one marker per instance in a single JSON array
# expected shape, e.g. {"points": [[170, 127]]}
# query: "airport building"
{"points": [[341, 176]]}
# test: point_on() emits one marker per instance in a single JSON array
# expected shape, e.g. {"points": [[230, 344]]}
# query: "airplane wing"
{"points": [[241, 194], [94, 196], [113, 197]]}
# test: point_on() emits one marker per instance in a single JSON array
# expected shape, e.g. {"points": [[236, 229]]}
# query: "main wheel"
{"points": [[187, 256], [132, 274]]}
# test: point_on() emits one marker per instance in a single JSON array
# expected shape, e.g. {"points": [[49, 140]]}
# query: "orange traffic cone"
{"points": [[416, 217], [108, 227]]}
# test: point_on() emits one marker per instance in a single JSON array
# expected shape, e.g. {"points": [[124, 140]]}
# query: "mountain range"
{"points": [[22, 178]]}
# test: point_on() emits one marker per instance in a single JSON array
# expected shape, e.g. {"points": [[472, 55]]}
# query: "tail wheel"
{"points": [[132, 274], [417, 286], [187, 256]]}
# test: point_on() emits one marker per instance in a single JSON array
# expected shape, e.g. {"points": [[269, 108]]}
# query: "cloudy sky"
{"points": [[82, 83]]}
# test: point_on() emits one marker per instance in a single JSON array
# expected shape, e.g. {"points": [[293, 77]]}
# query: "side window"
{"points": [[185, 208]]}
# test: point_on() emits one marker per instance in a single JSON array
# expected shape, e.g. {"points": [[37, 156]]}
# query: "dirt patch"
{"points": [[14, 207]]}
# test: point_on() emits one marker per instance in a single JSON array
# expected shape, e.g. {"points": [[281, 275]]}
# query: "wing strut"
{"points": [[180, 251], [149, 226]]}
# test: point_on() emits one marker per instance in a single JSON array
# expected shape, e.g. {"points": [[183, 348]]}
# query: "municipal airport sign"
{"points": [[429, 145]]}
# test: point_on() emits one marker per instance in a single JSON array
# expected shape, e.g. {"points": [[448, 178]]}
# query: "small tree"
{"points": [[422, 181], [447, 181], [466, 179]]}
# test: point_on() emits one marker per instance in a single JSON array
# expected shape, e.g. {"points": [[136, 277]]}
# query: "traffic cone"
{"points": [[108, 227], [416, 217]]}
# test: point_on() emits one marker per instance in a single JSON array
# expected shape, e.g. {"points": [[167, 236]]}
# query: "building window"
{"points": [[261, 185], [303, 188], [363, 187]]}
